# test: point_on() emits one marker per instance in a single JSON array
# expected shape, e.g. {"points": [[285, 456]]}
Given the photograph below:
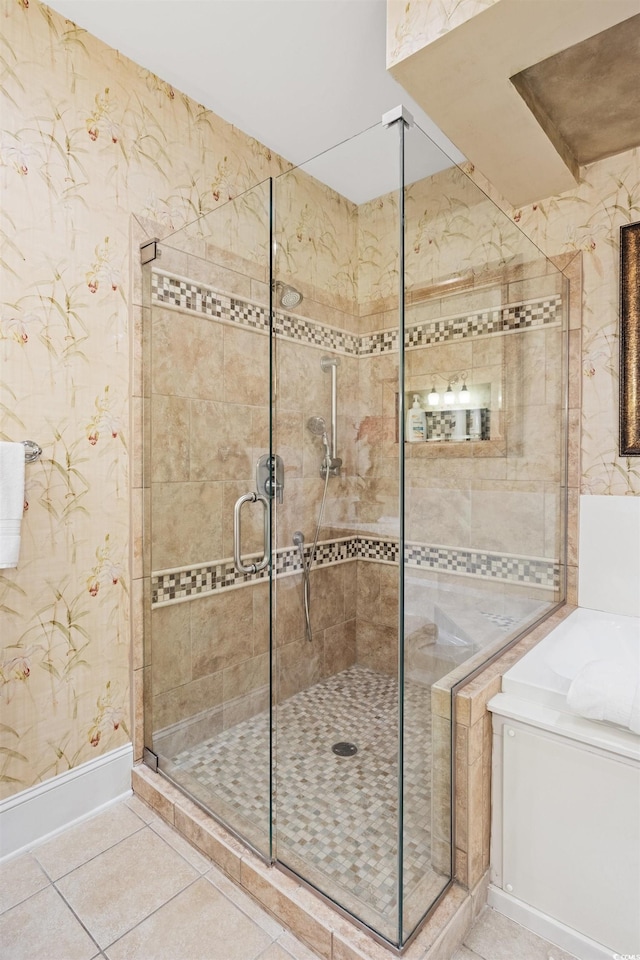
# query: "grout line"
{"points": [[96, 855], [154, 911], [81, 922]]}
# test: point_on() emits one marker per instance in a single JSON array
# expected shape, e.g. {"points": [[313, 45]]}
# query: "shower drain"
{"points": [[344, 749]]}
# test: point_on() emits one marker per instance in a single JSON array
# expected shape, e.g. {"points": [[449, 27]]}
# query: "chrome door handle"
{"points": [[237, 533]]}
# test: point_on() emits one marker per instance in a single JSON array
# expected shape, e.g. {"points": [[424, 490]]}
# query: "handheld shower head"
{"points": [[317, 426]]}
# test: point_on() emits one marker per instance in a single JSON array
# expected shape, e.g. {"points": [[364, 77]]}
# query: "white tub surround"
{"points": [[587, 667], [566, 793], [609, 554]]}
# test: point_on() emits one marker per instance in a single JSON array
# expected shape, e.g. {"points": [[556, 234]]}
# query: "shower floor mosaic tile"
{"points": [[335, 817]]}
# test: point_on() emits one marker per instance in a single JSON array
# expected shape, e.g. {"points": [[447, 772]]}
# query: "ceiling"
{"points": [[298, 75]]}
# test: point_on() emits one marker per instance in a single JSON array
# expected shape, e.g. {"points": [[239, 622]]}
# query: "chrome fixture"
{"points": [[318, 427], [237, 533], [287, 296], [32, 450], [331, 364], [270, 476]]}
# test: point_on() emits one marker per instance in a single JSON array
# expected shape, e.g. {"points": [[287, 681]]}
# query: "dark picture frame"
{"points": [[630, 340]]}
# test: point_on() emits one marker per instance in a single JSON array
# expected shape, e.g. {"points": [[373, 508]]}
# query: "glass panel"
{"points": [[209, 390], [336, 678], [485, 345], [356, 653]]}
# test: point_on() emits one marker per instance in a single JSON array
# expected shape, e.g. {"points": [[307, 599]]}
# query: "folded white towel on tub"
{"points": [[608, 690], [11, 501]]}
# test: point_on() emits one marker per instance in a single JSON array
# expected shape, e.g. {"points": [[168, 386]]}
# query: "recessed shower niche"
{"points": [[291, 612]]}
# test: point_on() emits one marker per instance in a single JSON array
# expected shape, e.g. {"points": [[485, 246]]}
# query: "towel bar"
{"points": [[32, 450]]}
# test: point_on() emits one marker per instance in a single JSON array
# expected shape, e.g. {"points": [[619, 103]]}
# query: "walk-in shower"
{"points": [[408, 564]]}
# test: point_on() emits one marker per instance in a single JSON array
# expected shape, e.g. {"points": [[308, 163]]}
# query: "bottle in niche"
{"points": [[475, 426], [416, 422], [460, 425]]}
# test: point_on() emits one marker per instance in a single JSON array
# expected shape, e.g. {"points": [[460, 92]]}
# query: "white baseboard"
{"points": [[544, 926], [40, 812]]}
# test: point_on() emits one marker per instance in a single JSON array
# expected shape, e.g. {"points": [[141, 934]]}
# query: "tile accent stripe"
{"points": [[184, 294], [173, 586], [543, 573], [519, 316]]}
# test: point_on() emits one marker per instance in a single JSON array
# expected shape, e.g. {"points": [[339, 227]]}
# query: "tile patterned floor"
{"points": [[335, 817], [86, 895], [125, 886]]}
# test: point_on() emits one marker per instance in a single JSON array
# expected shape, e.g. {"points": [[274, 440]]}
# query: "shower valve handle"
{"points": [[270, 476]]}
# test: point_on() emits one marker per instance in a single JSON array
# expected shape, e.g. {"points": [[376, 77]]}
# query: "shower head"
{"points": [[288, 296], [317, 426]]}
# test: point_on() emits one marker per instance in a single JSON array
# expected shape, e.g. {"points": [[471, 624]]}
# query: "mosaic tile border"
{"points": [[530, 570], [183, 294], [174, 586], [518, 316]]}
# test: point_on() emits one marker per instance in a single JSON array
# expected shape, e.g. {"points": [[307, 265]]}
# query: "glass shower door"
{"points": [[336, 700], [207, 356]]}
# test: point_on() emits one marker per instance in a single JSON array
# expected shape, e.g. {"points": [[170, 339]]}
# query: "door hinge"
{"points": [[150, 759], [149, 251]]}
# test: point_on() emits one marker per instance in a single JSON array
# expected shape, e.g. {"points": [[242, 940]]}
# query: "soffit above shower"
{"points": [[465, 79], [587, 96]]}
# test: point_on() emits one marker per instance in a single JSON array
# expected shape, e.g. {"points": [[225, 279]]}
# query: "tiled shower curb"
{"points": [[305, 914]]}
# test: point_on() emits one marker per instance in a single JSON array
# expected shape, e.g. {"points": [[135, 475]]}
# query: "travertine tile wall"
{"points": [[507, 501]]}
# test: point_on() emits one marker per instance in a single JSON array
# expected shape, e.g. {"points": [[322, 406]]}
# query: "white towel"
{"points": [[11, 501], [608, 690]]}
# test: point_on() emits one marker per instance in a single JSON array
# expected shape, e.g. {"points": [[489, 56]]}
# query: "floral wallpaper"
{"points": [[588, 219], [87, 139], [412, 24]]}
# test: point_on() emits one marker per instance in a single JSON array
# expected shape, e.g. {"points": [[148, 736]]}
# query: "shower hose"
{"points": [[306, 563]]}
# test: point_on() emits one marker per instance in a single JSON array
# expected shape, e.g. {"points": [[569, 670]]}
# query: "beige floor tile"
{"points": [[294, 947], [199, 924], [44, 928], [20, 879], [245, 903], [117, 890], [79, 844], [275, 952], [495, 937]]}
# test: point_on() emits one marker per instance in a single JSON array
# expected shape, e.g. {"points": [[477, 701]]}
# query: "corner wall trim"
{"points": [[40, 812]]}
